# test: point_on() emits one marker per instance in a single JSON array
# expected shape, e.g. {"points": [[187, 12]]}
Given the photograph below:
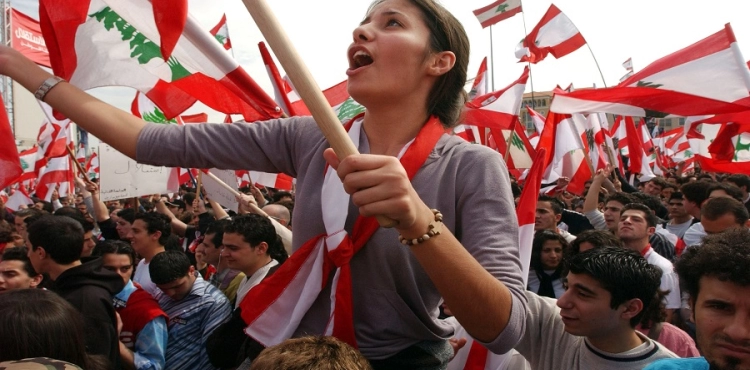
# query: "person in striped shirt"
{"points": [[195, 309]]}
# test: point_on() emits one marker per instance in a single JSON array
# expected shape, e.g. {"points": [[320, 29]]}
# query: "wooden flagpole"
{"points": [[305, 84], [81, 171]]}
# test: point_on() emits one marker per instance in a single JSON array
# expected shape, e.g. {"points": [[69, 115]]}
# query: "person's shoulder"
{"points": [[693, 363]]}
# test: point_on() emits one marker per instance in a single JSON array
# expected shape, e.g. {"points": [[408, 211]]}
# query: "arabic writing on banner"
{"points": [[27, 38], [121, 177]]}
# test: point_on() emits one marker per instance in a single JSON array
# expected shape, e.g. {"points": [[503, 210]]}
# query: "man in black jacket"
{"points": [[56, 246]]}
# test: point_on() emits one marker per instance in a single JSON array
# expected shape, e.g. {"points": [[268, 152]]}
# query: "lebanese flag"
{"points": [[170, 17], [279, 181], [10, 162], [639, 160], [194, 118], [184, 175], [526, 211], [57, 173], [702, 79], [143, 108], [337, 95], [555, 34], [281, 89], [92, 166], [221, 33], [538, 120], [498, 11], [53, 138], [565, 157], [592, 136], [479, 87], [28, 159], [19, 199], [499, 109], [97, 43], [731, 147], [470, 133], [81, 155], [520, 152]]}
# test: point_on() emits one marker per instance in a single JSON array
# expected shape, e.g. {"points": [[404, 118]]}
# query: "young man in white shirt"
{"points": [[637, 223], [148, 234]]}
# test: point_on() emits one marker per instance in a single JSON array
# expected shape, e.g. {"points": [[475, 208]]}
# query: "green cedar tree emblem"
{"points": [[502, 8], [157, 116], [143, 49]]}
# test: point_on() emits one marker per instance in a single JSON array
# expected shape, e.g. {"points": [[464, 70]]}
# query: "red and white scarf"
{"points": [[274, 308]]}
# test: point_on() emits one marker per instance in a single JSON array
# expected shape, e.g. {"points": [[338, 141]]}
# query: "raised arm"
{"points": [[592, 197], [113, 126]]}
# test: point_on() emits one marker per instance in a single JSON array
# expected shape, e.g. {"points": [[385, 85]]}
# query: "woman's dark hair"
{"points": [[256, 229], [39, 323], [541, 237], [447, 97]]}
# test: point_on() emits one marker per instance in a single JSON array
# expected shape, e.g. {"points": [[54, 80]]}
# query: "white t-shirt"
{"points": [[694, 235], [679, 229], [143, 277], [669, 279]]}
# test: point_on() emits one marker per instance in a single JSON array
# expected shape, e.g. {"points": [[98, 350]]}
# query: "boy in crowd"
{"points": [[16, 271], [592, 325], [195, 309], [56, 246]]}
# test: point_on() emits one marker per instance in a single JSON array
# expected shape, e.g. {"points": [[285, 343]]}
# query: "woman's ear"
{"points": [[441, 63]]}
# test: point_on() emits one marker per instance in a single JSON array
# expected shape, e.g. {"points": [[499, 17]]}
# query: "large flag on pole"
{"points": [[97, 43], [498, 11], [555, 34], [566, 156], [479, 87], [703, 78]]}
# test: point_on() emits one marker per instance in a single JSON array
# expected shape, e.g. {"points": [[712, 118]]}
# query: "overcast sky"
{"points": [[615, 30]]}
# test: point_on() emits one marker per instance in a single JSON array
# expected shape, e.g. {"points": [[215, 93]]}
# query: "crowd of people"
{"points": [[626, 278]]}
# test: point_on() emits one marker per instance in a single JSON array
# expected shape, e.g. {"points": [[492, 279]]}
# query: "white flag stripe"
{"points": [[558, 30]]}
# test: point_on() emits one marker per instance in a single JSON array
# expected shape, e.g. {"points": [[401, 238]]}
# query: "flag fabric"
{"points": [[526, 211], [520, 152], [565, 157], [143, 108], [337, 95], [538, 120], [92, 166], [97, 43], [555, 34], [479, 87], [18, 199], [279, 181], [53, 138], [499, 109], [470, 133], [81, 155], [170, 17], [708, 77], [592, 136], [628, 65], [498, 11], [28, 159], [221, 33], [58, 173], [26, 37], [10, 162], [281, 89], [639, 160]]}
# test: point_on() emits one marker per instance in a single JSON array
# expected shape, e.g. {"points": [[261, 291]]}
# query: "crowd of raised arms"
{"points": [[651, 274]]}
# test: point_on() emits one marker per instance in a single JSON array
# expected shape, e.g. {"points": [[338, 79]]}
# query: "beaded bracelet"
{"points": [[432, 231]]}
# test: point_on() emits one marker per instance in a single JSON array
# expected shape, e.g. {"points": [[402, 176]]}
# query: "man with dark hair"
{"points": [[194, 307], [148, 235], [548, 214], [177, 207], [143, 337], [16, 271], [56, 245], [591, 239], [721, 214], [613, 204], [89, 240], [655, 186], [716, 278], [281, 195], [741, 181], [679, 219], [228, 280], [719, 189], [592, 326], [20, 224], [637, 223], [188, 198], [695, 193]]}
